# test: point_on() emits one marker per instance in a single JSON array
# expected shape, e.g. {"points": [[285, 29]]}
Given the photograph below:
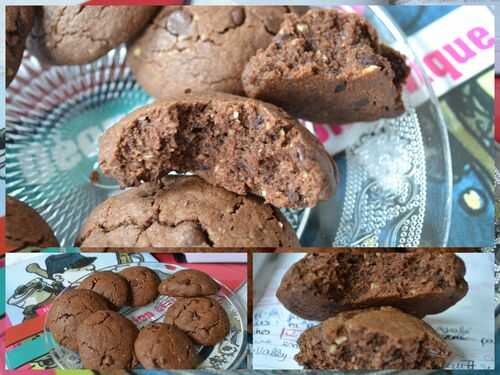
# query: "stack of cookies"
{"points": [[371, 307], [230, 84], [86, 320]]}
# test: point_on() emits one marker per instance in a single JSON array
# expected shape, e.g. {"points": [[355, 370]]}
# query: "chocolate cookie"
{"points": [[377, 338], [240, 144], [143, 285], [110, 285], [328, 66], [202, 319], [106, 341], [69, 310], [186, 211], [18, 24], [201, 48], [164, 346], [25, 228], [189, 283], [74, 35], [321, 285]]}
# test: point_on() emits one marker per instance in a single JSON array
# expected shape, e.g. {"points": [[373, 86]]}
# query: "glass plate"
{"points": [[225, 355], [395, 187]]}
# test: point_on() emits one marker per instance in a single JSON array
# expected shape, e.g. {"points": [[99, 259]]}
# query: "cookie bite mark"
{"points": [[202, 319], [328, 66], [189, 283], [322, 285], [243, 145], [376, 338]]}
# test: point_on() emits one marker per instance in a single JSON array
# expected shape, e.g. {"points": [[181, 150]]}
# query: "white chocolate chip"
{"points": [[374, 285], [301, 27], [332, 348], [339, 340], [137, 52], [236, 115], [371, 69]]}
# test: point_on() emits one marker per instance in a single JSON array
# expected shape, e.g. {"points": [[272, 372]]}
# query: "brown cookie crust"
{"points": [[186, 211], [243, 145], [74, 35], [189, 283], [321, 285], [328, 66], [18, 24], [166, 347], [202, 319], [25, 228], [110, 285], [69, 310], [106, 341], [143, 285], [201, 48], [376, 338]]}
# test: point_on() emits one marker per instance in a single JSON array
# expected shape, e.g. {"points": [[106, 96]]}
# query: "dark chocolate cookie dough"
{"points": [[68, 311], [202, 319], [67, 35], [189, 283], [164, 346], [18, 24], [106, 341], [321, 285], [110, 285], [143, 285], [186, 211], [377, 338], [328, 66], [25, 228], [201, 48], [240, 144]]}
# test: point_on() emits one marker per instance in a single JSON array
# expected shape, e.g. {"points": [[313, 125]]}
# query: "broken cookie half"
{"points": [[240, 144], [328, 66]]}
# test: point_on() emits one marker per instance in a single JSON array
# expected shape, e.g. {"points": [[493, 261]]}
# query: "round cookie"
{"points": [[18, 24], [240, 144], [189, 283], [25, 228], [106, 341], [69, 310], [74, 35], [202, 319], [164, 346], [201, 48], [143, 285], [186, 211], [110, 285]]}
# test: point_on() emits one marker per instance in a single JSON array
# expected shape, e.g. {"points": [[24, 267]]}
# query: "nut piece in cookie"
{"points": [[164, 346], [240, 144], [143, 285], [185, 211], [18, 24], [419, 283], [376, 338], [110, 285], [202, 319], [74, 35], [328, 66], [106, 341], [69, 310], [201, 48], [189, 283], [25, 228]]}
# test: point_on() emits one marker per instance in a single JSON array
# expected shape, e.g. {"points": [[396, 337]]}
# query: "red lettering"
{"points": [[440, 66], [477, 36]]}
